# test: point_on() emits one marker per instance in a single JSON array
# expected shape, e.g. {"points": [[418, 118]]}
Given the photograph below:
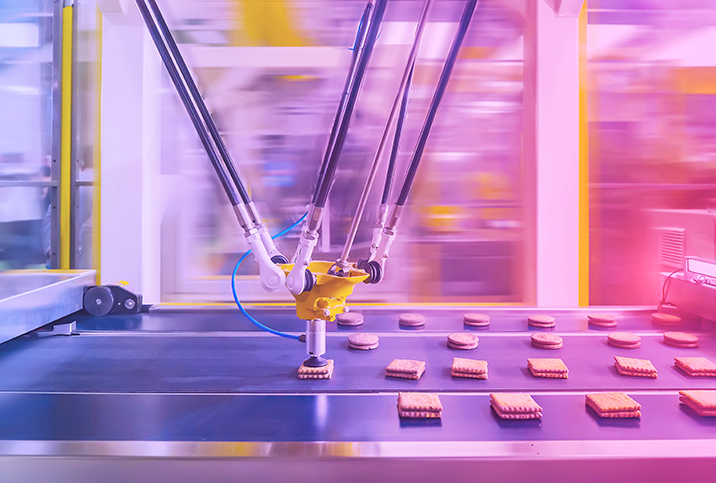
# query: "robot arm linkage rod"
{"points": [[383, 238], [255, 231]]}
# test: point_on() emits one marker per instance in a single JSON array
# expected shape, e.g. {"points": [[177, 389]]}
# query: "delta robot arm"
{"points": [[319, 287]]}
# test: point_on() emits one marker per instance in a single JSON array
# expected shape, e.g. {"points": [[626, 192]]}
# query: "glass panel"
{"points": [[25, 132], [652, 118], [461, 238]]}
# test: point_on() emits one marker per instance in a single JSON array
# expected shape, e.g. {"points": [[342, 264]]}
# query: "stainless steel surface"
{"points": [[179, 384], [690, 297], [514, 450], [58, 329], [316, 337], [30, 300], [343, 260], [242, 215]]}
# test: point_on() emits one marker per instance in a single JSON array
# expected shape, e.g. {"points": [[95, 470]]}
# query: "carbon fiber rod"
{"points": [[389, 174], [199, 101], [325, 183], [437, 97], [357, 48], [188, 104]]}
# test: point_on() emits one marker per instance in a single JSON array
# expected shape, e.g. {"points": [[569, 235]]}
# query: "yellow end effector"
{"points": [[328, 296]]}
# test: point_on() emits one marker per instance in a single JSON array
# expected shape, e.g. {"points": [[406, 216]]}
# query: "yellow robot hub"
{"points": [[328, 296]]}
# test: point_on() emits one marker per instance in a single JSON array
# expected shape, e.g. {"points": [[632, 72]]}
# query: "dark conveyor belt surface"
{"points": [[376, 320], [333, 417], [263, 363]]}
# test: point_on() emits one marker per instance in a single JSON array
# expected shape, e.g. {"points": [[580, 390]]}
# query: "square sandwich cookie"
{"points": [[419, 405], [325, 372], [613, 405], [696, 366], [512, 405], [702, 402], [469, 368], [405, 369], [628, 366], [552, 368]]}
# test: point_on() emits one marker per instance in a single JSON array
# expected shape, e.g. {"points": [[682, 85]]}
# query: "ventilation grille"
{"points": [[670, 243]]}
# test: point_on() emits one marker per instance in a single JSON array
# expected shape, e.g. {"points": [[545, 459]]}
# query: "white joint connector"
{"points": [[375, 241], [268, 241], [385, 241], [297, 277], [271, 276]]}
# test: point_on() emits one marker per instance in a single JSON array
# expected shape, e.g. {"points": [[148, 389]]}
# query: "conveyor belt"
{"points": [[207, 386], [336, 418], [173, 319], [258, 362]]}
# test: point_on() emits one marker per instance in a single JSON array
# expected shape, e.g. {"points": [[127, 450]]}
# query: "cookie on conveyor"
{"points": [[628, 366], [702, 402], [474, 319], [462, 341], [419, 405], [512, 405], [546, 341], [613, 405], [624, 340], [681, 339], [363, 341], [666, 320], [325, 372], [405, 369], [541, 321], [350, 319], [696, 366], [602, 320], [551, 368], [411, 320], [470, 368]]}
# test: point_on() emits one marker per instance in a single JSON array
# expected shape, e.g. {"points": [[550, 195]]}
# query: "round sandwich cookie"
{"points": [[462, 341], [363, 341], [349, 319], [624, 340], [602, 320], [546, 341], [681, 339], [542, 321], [665, 319], [411, 320], [476, 320]]}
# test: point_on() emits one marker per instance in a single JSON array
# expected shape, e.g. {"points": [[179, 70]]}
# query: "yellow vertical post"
{"points": [[66, 139], [583, 162], [96, 154]]}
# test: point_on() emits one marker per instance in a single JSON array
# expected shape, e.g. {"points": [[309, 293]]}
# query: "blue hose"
{"points": [[236, 298]]}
